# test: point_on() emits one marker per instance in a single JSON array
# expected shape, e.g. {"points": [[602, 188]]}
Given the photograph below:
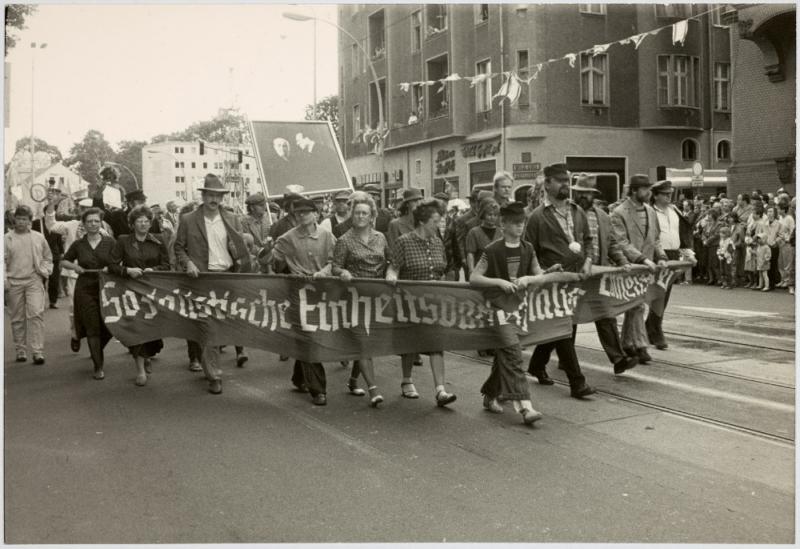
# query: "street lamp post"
{"points": [[301, 17], [32, 147]]}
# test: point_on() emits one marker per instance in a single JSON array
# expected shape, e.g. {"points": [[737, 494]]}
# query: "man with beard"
{"points": [[210, 240], [559, 232], [636, 229], [604, 251]]}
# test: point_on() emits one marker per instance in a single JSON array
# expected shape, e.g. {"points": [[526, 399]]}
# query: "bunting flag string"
{"points": [[511, 86]]}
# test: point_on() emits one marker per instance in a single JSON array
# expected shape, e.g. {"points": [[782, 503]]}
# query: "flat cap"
{"points": [[639, 180], [257, 198], [556, 170]]}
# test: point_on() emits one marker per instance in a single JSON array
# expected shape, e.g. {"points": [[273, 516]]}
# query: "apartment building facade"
{"points": [[174, 170], [626, 111]]}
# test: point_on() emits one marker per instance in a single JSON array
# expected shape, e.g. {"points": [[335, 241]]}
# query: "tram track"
{"points": [[699, 417]]}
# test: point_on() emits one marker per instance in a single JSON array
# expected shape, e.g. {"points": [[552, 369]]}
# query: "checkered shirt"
{"points": [[416, 258], [362, 260]]}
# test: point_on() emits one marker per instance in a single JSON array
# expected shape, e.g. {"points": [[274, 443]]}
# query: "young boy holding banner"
{"points": [[511, 265]]}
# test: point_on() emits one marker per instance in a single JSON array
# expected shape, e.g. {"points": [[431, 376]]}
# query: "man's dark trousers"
{"points": [[567, 357], [653, 323]]}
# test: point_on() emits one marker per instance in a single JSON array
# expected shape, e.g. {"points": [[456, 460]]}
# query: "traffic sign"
{"points": [[697, 174]]}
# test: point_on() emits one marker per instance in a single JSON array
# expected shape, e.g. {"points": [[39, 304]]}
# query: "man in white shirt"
{"points": [[675, 232], [210, 240], [28, 263], [341, 212]]}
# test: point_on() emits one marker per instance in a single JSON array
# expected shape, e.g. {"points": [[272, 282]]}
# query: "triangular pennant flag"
{"points": [[638, 39], [443, 83], [679, 31], [571, 57], [510, 89], [597, 50], [453, 78], [429, 82], [477, 79]]}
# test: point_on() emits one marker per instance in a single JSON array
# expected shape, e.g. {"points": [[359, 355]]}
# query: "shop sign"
{"points": [[481, 150], [445, 162], [526, 170]]}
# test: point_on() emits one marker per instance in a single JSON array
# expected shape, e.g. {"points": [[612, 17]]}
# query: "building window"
{"points": [[416, 30], [205, 165], [355, 61], [356, 118], [60, 180], [377, 44], [483, 90], [438, 94], [724, 150], [523, 72], [193, 165], [374, 111], [594, 80], [435, 19], [418, 166], [418, 101], [678, 81], [177, 164], [722, 87], [481, 13], [716, 15], [177, 150], [247, 166], [594, 9], [679, 11], [689, 150]]}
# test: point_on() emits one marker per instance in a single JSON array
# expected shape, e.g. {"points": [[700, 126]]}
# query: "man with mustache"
{"points": [[559, 232], [210, 240]]}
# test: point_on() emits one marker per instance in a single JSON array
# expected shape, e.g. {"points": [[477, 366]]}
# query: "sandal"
{"points": [[354, 389], [443, 398], [408, 390]]}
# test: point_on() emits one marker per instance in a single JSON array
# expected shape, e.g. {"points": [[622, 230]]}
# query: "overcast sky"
{"points": [[135, 71]]}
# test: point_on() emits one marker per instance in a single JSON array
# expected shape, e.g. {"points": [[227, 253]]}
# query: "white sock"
{"points": [[439, 389]]}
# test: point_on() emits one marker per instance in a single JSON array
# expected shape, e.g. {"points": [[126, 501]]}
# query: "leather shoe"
{"points": [[215, 387], [319, 400], [75, 344], [21, 356], [625, 364], [38, 358], [582, 391], [241, 359], [195, 366], [661, 346], [443, 398], [644, 356], [544, 378]]}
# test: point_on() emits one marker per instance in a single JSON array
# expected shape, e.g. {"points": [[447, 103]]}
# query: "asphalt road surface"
{"points": [[697, 446]]}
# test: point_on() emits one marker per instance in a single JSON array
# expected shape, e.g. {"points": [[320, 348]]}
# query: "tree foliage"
{"points": [[15, 19], [327, 109], [129, 154], [41, 145], [228, 126], [87, 156]]}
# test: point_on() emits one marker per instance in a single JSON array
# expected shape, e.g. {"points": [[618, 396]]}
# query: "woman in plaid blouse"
{"points": [[362, 252], [419, 255]]}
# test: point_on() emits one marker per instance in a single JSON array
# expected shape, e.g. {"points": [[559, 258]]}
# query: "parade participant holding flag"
{"points": [[210, 240], [364, 253], [559, 232], [91, 252], [511, 265], [134, 255], [637, 231], [419, 255], [306, 250]]}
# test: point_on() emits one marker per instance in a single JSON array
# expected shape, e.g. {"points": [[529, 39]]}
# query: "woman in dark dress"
{"points": [[92, 252], [134, 255]]}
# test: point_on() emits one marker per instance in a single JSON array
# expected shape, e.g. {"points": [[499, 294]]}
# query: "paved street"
{"points": [[695, 447]]}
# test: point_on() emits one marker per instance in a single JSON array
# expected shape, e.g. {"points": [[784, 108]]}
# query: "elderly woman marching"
{"points": [[362, 252], [134, 255], [419, 255], [92, 252]]}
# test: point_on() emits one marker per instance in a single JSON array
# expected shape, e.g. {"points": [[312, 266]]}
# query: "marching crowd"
{"points": [[496, 243]]}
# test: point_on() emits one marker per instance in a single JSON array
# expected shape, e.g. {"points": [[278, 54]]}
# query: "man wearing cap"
{"points": [[675, 232], [340, 214], [257, 223], [637, 230], [405, 223], [560, 234], [604, 251], [287, 222], [209, 240], [306, 250], [384, 216]]}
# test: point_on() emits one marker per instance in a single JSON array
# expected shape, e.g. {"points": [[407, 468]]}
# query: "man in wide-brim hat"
{"points": [[210, 240], [636, 229], [405, 223]]}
